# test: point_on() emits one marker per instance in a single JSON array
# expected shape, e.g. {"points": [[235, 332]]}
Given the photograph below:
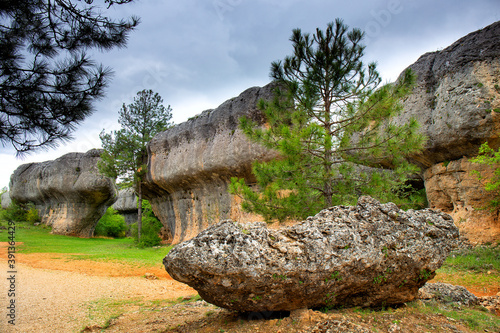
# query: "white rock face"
{"points": [[6, 200]]}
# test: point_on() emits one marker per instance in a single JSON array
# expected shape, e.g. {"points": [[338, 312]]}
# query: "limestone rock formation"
{"points": [[457, 97], [6, 200], [365, 255], [69, 193], [457, 103], [191, 164], [454, 188], [126, 205]]}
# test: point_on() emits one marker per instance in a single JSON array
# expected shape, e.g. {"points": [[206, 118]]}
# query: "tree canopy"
{"points": [[47, 83], [329, 121], [125, 150]]}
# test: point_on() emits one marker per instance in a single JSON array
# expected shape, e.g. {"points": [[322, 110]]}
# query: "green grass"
{"points": [[476, 318], [480, 259], [40, 240]]}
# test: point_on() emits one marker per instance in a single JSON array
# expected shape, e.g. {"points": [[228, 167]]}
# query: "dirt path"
{"points": [[54, 294]]}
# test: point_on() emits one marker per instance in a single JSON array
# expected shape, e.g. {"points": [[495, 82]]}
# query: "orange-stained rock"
{"points": [[455, 189]]}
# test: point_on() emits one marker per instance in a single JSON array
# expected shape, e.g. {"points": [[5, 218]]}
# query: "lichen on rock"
{"points": [[371, 254]]}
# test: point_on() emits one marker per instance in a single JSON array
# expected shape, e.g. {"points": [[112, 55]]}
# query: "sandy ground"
{"points": [[65, 297]]}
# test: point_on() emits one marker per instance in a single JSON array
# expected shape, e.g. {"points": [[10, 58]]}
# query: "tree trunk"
{"points": [[139, 211]]}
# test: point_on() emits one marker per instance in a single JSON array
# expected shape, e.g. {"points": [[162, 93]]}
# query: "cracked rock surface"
{"points": [[371, 254]]}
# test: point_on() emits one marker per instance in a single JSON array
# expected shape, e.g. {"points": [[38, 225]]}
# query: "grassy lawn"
{"points": [[40, 240]]}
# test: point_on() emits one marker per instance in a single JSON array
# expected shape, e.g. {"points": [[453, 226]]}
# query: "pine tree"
{"points": [[125, 150], [328, 119], [48, 84]]}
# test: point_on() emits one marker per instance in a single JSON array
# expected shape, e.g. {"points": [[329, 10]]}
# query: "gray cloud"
{"points": [[197, 53]]}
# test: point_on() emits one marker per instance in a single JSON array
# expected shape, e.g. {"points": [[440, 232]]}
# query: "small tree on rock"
{"points": [[328, 119], [125, 153]]}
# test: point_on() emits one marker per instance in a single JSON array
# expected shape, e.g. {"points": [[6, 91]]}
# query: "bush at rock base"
{"points": [[20, 213], [111, 224], [150, 228]]}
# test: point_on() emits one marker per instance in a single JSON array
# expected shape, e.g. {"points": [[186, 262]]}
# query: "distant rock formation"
{"points": [[191, 164], [371, 254], [6, 200], [457, 103], [69, 193], [126, 205]]}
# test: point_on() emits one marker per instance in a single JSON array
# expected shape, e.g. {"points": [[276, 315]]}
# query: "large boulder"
{"points": [[371, 254], [69, 192], [126, 205], [191, 165]]}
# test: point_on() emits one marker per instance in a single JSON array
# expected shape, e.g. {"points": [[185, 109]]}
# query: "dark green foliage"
{"points": [[18, 212], [490, 157], [111, 224], [150, 228], [48, 84], [329, 121]]}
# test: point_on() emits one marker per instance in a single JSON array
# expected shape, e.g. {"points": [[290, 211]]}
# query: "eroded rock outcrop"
{"points": [[457, 97], [69, 193], [453, 187], [126, 205], [191, 164], [457, 103], [366, 255]]}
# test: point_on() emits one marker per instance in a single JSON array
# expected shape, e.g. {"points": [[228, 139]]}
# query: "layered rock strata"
{"points": [[371, 254], [69, 192], [456, 99], [458, 188], [191, 164]]}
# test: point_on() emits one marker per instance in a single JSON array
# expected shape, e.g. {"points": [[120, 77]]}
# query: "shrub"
{"points": [[16, 212], [491, 157], [31, 213], [111, 224], [150, 227]]}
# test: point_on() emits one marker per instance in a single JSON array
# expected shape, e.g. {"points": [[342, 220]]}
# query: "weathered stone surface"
{"points": [[457, 97], [447, 293], [191, 164], [126, 205], [6, 200], [69, 193], [453, 188], [365, 255]]}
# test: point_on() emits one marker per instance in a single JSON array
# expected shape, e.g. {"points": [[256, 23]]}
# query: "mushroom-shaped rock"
{"points": [[69, 192], [371, 254]]}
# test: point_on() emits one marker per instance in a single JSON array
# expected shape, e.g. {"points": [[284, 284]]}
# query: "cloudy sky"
{"points": [[198, 53]]}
